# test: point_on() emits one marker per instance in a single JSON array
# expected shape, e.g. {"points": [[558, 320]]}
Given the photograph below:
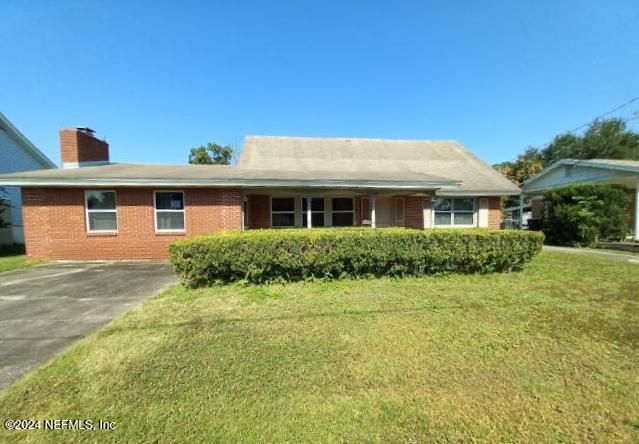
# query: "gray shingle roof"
{"points": [[398, 158], [298, 161]]}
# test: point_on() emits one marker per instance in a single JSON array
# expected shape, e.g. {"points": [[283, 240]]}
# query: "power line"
{"points": [[623, 105]]}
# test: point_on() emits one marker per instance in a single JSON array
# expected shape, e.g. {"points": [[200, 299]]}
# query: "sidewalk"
{"points": [[615, 255]]}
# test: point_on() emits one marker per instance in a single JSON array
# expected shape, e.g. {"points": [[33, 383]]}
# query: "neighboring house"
{"points": [[518, 216], [117, 211], [16, 154], [569, 171]]}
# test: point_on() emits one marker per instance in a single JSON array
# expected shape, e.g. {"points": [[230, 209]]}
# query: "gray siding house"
{"points": [[569, 171], [17, 154]]}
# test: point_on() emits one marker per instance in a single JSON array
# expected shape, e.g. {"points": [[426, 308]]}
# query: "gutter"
{"points": [[242, 183]]}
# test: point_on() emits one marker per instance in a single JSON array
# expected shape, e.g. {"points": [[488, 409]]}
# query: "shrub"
{"points": [[582, 214], [263, 256]]}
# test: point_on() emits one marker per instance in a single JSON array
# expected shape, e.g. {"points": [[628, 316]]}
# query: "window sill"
{"points": [[170, 233], [454, 226], [101, 233]]}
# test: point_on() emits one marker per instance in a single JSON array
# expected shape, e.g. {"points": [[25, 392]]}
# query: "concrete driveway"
{"points": [[43, 309]]}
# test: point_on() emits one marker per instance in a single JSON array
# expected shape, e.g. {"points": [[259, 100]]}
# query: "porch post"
{"points": [[373, 199], [637, 211], [309, 222], [521, 211]]}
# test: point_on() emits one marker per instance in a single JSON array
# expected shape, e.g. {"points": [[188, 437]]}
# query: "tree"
{"points": [[582, 214], [604, 139], [211, 154]]}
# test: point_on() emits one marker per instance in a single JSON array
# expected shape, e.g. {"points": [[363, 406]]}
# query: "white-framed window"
{"points": [[169, 211], [342, 213], [101, 211], [282, 212], [317, 211], [458, 211], [399, 212]]}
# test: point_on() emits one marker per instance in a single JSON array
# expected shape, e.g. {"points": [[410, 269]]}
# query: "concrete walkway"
{"points": [[46, 308], [607, 254]]}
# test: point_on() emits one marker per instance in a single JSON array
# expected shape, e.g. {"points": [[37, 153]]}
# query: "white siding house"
{"points": [[16, 154]]}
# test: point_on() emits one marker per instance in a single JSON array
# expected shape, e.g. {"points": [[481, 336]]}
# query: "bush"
{"points": [[583, 214], [296, 254]]}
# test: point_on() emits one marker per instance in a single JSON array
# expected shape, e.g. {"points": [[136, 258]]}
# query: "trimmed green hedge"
{"points": [[264, 256]]}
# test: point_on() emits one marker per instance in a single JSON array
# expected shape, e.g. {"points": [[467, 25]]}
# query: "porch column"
{"points": [[373, 199], [309, 222], [637, 211], [521, 211]]}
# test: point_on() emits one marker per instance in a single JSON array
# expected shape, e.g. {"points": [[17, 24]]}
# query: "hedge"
{"points": [[264, 256], [583, 214]]}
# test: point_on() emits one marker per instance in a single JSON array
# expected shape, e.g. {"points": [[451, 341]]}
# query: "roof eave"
{"points": [[238, 183], [26, 143]]}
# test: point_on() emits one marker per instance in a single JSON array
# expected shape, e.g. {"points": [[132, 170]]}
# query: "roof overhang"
{"points": [[26, 143], [478, 193], [236, 183], [620, 169]]}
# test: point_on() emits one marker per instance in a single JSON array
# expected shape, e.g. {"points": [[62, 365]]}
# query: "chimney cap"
{"points": [[85, 129]]}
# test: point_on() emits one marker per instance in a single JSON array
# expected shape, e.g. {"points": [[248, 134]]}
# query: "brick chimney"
{"points": [[79, 147]]}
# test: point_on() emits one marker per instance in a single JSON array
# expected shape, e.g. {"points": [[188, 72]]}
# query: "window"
{"points": [[459, 211], [169, 211], [282, 212], [342, 212], [317, 211], [101, 211], [399, 211]]}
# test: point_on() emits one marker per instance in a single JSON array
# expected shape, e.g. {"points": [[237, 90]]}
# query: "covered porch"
{"points": [[313, 208]]}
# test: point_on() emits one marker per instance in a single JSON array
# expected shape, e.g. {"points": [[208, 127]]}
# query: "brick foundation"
{"points": [[55, 223]]}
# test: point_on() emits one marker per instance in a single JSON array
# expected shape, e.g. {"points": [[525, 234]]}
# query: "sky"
{"points": [[156, 78]]}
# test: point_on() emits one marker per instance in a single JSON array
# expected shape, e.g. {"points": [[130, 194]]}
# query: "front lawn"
{"points": [[547, 354], [13, 257]]}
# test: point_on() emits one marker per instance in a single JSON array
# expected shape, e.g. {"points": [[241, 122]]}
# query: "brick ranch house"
{"points": [[94, 209]]}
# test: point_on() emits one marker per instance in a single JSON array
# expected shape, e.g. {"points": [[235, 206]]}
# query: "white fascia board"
{"points": [[248, 183], [26, 143], [470, 193]]}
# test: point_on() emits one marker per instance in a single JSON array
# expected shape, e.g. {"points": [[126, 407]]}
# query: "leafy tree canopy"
{"points": [[604, 139], [211, 154]]}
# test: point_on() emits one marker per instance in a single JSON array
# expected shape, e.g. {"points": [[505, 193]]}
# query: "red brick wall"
{"points": [[413, 212], [494, 212], [78, 146], [259, 212], [55, 223]]}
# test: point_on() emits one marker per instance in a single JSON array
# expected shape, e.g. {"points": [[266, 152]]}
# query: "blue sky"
{"points": [[157, 78]]}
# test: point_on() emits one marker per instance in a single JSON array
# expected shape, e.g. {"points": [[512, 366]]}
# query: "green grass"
{"points": [[13, 258], [547, 354]]}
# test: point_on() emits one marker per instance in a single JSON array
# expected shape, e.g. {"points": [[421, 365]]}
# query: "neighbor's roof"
{"points": [[398, 158], [305, 162], [615, 165], [25, 143]]}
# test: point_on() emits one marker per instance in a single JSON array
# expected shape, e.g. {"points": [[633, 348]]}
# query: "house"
{"points": [[95, 209], [16, 154], [569, 171]]}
